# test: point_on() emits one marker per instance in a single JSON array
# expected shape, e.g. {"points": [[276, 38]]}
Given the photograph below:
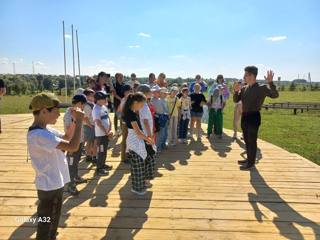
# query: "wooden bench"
{"points": [[293, 105]]}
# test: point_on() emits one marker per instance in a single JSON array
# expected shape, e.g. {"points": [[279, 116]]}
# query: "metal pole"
{"points": [[14, 68], [65, 63], [78, 58], [33, 67], [73, 63]]}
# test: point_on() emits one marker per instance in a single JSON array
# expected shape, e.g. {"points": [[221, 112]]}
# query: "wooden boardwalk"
{"points": [[199, 193]]}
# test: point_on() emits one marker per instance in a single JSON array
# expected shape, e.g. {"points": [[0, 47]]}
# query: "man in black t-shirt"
{"points": [[118, 95]]}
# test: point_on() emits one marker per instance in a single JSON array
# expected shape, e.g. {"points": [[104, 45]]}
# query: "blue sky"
{"points": [[180, 38]]}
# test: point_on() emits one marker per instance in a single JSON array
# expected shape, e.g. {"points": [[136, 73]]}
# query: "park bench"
{"points": [[293, 105]]}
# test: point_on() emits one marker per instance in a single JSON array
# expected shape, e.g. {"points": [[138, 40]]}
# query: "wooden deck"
{"points": [[199, 193]]}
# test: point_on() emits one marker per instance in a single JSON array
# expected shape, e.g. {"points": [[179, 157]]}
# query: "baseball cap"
{"points": [[44, 100], [185, 89], [164, 90], [100, 95], [79, 98], [174, 89], [155, 88], [101, 74], [126, 88], [79, 91], [144, 88]]}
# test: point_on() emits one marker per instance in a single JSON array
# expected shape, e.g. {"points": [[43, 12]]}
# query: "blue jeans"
{"points": [[161, 138]]}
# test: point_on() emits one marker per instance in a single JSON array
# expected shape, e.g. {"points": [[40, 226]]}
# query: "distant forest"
{"points": [[28, 84]]}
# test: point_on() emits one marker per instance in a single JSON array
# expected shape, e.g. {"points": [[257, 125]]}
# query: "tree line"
{"points": [[29, 84]]}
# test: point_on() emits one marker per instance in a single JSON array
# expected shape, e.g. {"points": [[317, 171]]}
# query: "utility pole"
{"points": [[65, 63], [78, 53], [73, 62], [14, 68], [33, 67]]}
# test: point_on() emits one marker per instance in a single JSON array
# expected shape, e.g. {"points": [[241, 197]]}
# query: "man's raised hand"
{"points": [[269, 77]]}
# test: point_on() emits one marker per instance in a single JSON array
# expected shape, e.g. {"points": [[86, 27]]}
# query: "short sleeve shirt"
{"points": [[49, 163], [173, 106], [100, 113], [145, 114], [88, 112], [67, 121], [196, 99], [132, 117]]}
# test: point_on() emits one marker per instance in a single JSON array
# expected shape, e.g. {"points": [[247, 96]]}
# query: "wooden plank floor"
{"points": [[199, 193]]}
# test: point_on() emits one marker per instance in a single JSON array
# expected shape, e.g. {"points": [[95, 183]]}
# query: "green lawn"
{"points": [[18, 104], [296, 133]]}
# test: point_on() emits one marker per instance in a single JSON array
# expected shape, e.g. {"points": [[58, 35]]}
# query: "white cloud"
{"points": [[146, 35], [4, 60], [134, 46], [38, 63], [67, 36], [276, 38]]}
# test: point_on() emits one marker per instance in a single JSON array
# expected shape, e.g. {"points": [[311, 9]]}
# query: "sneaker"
{"points": [[148, 184], [79, 180], [242, 161], [247, 167], [107, 167], [73, 190], [138, 193], [102, 172]]}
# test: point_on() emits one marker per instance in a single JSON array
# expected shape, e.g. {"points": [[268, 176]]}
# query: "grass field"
{"points": [[296, 133]]}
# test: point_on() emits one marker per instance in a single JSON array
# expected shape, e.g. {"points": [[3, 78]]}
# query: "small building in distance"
{"points": [[300, 81]]}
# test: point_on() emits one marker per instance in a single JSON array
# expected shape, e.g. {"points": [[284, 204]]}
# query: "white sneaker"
{"points": [[138, 193]]}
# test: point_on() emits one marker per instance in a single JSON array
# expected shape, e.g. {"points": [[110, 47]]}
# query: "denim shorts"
{"points": [[196, 114], [88, 134]]}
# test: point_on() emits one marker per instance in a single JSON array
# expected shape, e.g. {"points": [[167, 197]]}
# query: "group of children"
{"points": [[152, 118]]}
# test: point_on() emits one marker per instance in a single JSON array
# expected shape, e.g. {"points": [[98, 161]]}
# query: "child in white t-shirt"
{"points": [[102, 128], [46, 146]]}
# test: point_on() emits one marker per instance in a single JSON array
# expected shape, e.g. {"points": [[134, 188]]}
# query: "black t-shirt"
{"points": [[196, 99], [132, 117], [118, 88], [1, 83]]}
